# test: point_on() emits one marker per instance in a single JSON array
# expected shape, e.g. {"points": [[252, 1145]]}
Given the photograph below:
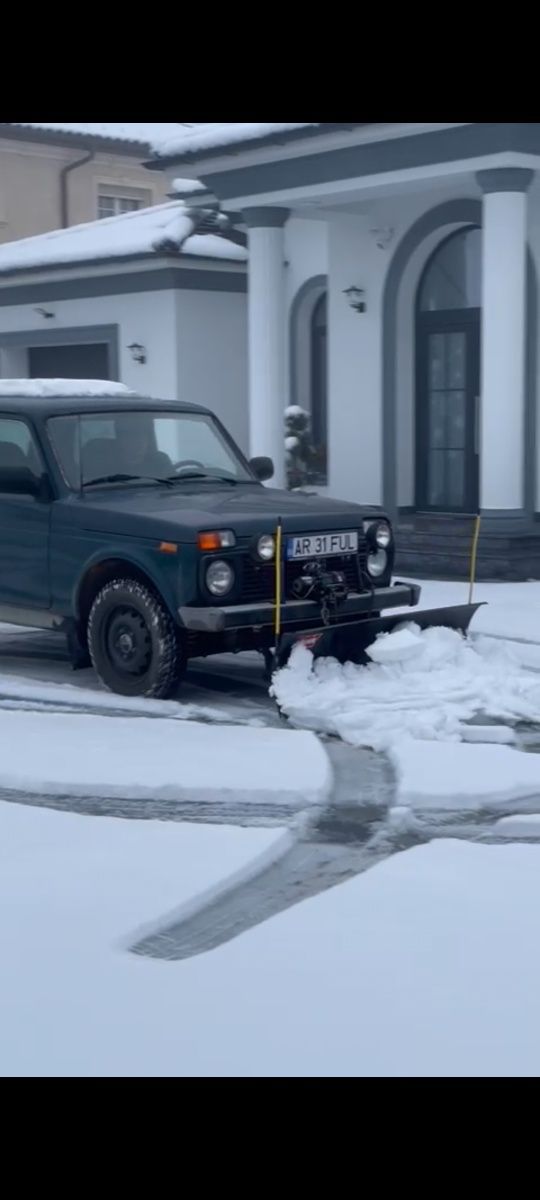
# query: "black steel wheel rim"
{"points": [[127, 641]]}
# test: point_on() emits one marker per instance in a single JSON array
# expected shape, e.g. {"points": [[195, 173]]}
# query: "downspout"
{"points": [[79, 162]]}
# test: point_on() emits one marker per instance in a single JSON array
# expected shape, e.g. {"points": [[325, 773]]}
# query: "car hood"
{"points": [[180, 512]]}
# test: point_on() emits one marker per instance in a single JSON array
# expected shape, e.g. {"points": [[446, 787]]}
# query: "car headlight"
{"points": [[219, 577], [382, 534], [266, 547], [378, 533], [377, 563]]}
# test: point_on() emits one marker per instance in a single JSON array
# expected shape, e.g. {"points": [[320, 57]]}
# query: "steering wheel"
{"points": [[187, 462]]}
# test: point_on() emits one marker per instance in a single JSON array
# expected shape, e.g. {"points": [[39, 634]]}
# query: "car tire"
{"points": [[133, 641]]}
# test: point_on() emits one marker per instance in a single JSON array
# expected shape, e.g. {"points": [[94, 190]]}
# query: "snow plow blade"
{"points": [[348, 643]]}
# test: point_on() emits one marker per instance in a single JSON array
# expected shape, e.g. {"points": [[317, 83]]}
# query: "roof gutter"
{"points": [[72, 166]]}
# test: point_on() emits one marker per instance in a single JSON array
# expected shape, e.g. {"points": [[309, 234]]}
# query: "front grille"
{"points": [[259, 578]]}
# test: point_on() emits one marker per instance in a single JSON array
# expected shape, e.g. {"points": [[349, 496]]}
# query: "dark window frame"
{"points": [[318, 331], [443, 321]]}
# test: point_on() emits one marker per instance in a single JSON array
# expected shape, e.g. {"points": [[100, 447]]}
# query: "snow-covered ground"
{"points": [[424, 688], [511, 609], [424, 964], [81, 755]]}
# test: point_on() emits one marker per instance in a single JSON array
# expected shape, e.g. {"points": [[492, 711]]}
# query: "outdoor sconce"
{"points": [[356, 298], [138, 352]]}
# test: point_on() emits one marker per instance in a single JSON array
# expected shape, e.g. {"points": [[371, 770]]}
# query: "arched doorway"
{"points": [[448, 375], [319, 374], [309, 373]]}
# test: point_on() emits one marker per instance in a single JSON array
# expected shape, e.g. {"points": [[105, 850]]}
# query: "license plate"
{"points": [[322, 545]]}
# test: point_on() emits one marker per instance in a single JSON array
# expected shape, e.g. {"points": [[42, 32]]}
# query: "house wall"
{"points": [[354, 347], [148, 318], [211, 340], [344, 248], [195, 342], [30, 185]]}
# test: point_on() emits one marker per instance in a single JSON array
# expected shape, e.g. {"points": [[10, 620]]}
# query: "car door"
{"points": [[24, 518]]}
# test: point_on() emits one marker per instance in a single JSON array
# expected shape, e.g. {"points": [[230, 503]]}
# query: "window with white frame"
{"points": [[113, 201]]}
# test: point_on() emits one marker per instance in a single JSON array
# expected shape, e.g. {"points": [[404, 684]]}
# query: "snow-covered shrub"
{"points": [[299, 450]]}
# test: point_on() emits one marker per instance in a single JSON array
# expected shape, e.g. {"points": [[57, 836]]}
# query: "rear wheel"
{"points": [[133, 641]]}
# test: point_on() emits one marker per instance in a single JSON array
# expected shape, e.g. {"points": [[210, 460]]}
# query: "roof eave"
{"points": [[144, 256], [163, 162], [82, 141]]}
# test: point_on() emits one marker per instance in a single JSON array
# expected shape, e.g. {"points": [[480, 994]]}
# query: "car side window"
{"points": [[18, 447]]}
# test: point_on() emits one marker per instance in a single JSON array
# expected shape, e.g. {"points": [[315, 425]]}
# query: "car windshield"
{"points": [[119, 447]]}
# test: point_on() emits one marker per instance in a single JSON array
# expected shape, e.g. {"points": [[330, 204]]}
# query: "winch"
{"points": [[328, 588]]}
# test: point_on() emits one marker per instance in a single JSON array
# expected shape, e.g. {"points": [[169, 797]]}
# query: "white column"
{"points": [[266, 335], [502, 424]]}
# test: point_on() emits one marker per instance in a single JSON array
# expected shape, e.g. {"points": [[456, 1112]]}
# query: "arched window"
{"points": [[319, 389], [448, 375], [309, 386], [452, 276]]}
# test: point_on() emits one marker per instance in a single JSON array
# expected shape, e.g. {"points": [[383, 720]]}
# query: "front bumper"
{"points": [[296, 613]]}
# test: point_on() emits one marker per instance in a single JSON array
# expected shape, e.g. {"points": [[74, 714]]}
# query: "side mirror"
{"points": [[262, 467], [19, 481]]}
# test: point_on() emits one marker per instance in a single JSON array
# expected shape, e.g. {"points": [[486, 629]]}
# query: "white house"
{"points": [[155, 298], [393, 291]]}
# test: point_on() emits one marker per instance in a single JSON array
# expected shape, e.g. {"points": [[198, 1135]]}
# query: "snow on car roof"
{"points": [[63, 387], [162, 229]]}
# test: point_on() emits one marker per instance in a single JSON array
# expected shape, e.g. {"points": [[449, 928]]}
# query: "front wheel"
{"points": [[133, 641]]}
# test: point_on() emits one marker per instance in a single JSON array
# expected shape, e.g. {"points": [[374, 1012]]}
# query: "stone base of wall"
{"points": [[438, 546]]}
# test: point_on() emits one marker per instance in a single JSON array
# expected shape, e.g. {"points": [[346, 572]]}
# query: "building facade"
{"points": [[149, 299], [51, 178], [393, 294]]}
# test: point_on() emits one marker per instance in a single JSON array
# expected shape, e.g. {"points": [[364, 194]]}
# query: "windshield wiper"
{"points": [[121, 477], [201, 475]]}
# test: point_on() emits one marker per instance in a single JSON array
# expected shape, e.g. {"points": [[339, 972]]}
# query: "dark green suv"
{"points": [[137, 527]]}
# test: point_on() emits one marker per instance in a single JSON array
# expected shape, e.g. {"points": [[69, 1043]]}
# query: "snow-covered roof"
{"points": [[163, 229], [186, 140], [62, 387], [145, 133], [188, 187]]}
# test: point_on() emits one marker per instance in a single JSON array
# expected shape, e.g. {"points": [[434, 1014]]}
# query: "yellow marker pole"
{"points": [[474, 549], [279, 542]]}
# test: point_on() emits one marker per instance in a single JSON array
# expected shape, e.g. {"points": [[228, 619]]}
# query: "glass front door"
{"points": [[448, 385]]}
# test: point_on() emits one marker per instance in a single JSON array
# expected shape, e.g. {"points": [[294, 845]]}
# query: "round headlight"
{"points": [[266, 547], [377, 563], [219, 578], [383, 534]]}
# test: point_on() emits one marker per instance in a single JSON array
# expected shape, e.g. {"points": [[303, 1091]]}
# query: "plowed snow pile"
{"points": [[424, 685]]}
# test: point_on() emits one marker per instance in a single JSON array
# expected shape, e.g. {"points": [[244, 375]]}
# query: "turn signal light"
{"points": [[216, 539], [168, 547]]}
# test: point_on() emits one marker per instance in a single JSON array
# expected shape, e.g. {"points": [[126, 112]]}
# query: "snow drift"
{"points": [[424, 685]]}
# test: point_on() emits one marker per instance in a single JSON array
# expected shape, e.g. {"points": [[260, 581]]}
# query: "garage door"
{"points": [[69, 362]]}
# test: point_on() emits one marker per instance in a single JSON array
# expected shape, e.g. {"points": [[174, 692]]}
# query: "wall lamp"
{"points": [[356, 297], [138, 352]]}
